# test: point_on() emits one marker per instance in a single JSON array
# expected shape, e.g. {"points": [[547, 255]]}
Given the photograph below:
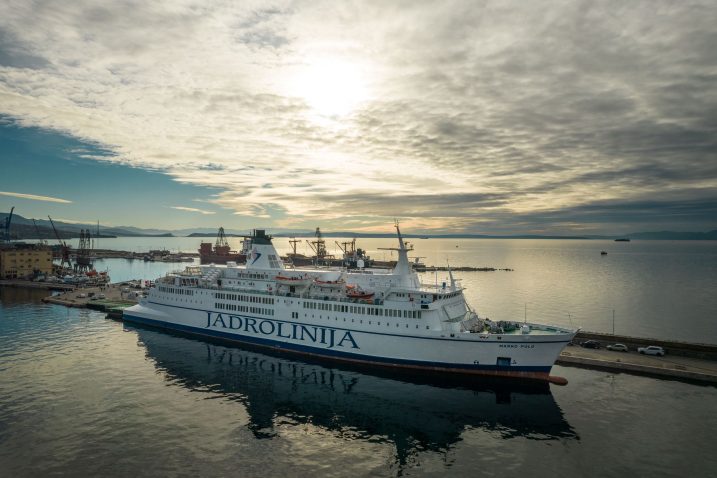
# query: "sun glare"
{"points": [[331, 88]]}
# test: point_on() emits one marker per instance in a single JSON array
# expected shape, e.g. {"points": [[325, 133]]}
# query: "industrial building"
{"points": [[20, 260]]}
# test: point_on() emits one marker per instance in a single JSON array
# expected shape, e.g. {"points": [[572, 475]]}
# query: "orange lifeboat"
{"points": [[359, 294]]}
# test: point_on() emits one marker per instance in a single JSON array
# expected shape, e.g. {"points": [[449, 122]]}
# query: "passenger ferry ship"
{"points": [[386, 318]]}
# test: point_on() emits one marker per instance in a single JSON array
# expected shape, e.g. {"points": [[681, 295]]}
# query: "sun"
{"points": [[331, 88]]}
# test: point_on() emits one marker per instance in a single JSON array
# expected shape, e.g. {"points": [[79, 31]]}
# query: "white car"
{"points": [[652, 350], [617, 347]]}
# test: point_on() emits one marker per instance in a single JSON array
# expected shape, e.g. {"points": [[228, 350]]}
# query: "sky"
{"points": [[560, 117]]}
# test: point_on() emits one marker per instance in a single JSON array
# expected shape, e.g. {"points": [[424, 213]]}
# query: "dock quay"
{"points": [[165, 256], [684, 360], [457, 269], [673, 347], [111, 298], [181, 257], [27, 284]]}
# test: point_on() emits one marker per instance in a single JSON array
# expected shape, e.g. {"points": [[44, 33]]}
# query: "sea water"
{"points": [[82, 395]]}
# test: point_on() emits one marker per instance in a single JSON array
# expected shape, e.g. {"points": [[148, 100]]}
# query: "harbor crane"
{"points": [[64, 247], [221, 239], [319, 248], [8, 220], [41, 240], [83, 261]]}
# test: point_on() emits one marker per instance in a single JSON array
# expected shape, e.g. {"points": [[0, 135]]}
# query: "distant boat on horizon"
{"points": [[623, 239], [603, 253]]}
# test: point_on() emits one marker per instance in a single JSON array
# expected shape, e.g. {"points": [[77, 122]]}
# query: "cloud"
{"points": [[458, 115], [192, 209], [58, 220], [34, 197]]}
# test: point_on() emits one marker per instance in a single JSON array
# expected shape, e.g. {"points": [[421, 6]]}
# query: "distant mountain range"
{"points": [[22, 228]]}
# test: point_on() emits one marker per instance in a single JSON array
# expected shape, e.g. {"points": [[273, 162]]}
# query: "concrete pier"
{"points": [[676, 367], [684, 360], [27, 284], [92, 298]]}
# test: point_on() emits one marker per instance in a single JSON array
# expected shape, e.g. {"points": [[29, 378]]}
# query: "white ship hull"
{"points": [[511, 355], [370, 317]]}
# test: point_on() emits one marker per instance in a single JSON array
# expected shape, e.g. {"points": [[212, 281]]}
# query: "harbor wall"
{"points": [[673, 347]]}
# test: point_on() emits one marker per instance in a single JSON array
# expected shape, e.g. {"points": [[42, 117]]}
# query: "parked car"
{"points": [[652, 350], [101, 296], [617, 347], [591, 344]]}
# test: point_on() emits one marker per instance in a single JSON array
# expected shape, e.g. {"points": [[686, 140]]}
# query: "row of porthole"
{"points": [[370, 322], [180, 299]]}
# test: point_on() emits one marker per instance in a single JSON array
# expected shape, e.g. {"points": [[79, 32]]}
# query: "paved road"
{"points": [[667, 362]]}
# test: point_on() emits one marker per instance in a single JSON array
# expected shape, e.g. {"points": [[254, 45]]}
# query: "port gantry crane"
{"points": [[83, 261], [64, 248], [221, 247], [8, 220], [319, 248]]}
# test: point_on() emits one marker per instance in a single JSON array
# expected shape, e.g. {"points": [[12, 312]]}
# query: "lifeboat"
{"points": [[336, 284], [359, 294]]}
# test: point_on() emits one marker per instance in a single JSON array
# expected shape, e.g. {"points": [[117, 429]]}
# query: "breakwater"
{"points": [[683, 361], [674, 347]]}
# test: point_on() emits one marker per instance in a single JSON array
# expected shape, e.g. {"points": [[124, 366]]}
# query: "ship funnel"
{"points": [[263, 255]]}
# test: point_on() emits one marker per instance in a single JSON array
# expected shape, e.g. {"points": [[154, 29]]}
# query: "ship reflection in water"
{"points": [[411, 413]]}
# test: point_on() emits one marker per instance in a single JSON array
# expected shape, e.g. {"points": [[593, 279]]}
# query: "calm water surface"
{"points": [[83, 395], [658, 289]]}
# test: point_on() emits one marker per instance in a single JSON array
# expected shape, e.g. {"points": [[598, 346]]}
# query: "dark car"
{"points": [[591, 344]]}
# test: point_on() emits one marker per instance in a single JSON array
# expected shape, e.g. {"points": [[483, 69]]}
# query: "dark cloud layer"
{"points": [[491, 116]]}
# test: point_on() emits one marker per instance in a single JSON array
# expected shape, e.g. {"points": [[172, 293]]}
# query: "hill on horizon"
{"points": [[23, 228]]}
